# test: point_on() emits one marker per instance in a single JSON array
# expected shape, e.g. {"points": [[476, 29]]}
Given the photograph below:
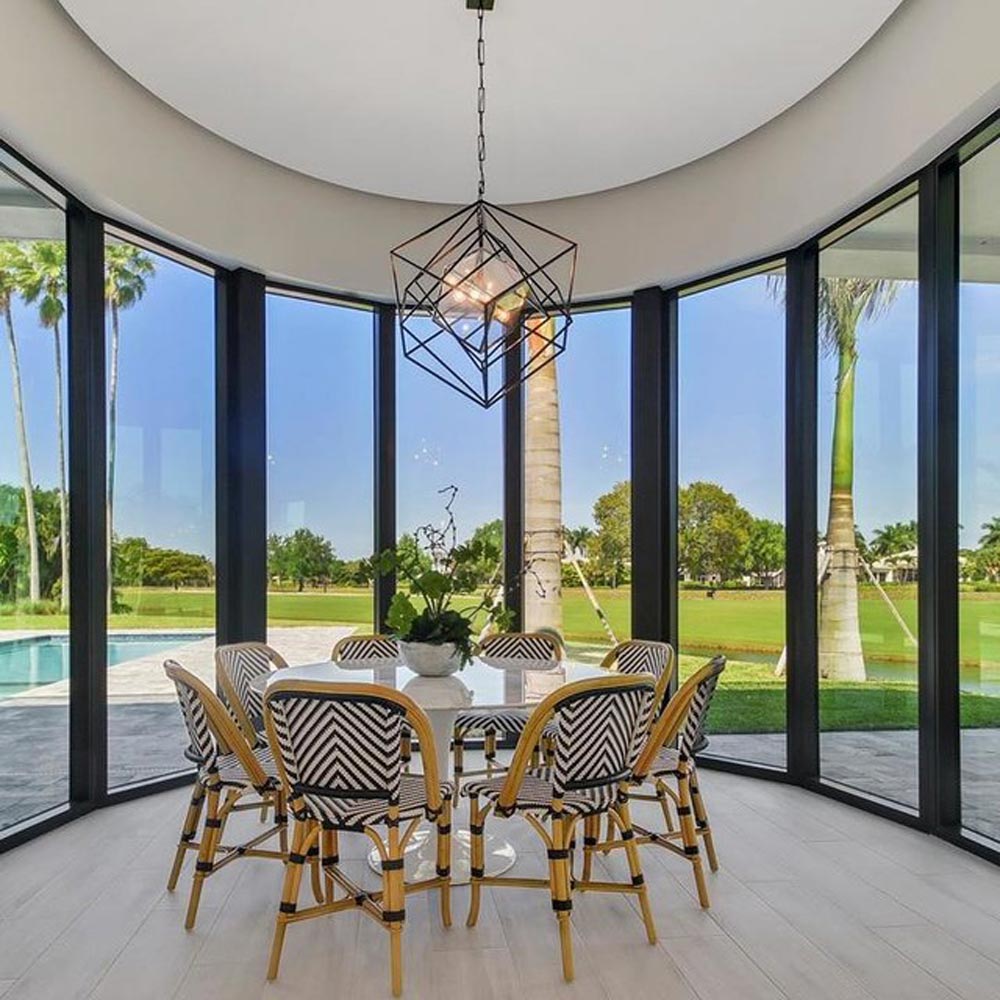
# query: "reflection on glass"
{"points": [[868, 506], [979, 491], [320, 449], [161, 500], [34, 554], [445, 440], [731, 508], [577, 497]]}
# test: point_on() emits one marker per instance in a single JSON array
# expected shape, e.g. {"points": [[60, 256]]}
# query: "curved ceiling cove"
{"points": [[583, 95]]}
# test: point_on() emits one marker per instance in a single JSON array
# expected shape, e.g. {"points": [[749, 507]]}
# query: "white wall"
{"points": [[927, 76]]}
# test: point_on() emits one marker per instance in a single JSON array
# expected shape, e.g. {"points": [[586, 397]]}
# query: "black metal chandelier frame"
{"points": [[455, 322]]}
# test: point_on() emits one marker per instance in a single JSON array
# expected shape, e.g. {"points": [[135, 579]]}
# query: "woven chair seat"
{"points": [[232, 773], [535, 795], [667, 762], [356, 814], [501, 722]]}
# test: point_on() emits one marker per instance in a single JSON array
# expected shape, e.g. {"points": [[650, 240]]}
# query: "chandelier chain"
{"points": [[481, 105]]}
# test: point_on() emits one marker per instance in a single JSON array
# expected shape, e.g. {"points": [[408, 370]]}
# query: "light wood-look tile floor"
{"points": [[814, 900]]}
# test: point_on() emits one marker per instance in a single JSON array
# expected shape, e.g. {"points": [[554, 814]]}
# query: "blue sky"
{"points": [[320, 433]]}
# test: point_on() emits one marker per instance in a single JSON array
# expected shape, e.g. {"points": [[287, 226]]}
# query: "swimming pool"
{"points": [[32, 662]]}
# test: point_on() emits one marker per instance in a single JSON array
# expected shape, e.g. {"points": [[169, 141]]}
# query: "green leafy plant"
{"points": [[435, 569]]}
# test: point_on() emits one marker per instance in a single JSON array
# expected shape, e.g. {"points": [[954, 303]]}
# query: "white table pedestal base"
{"points": [[420, 857]]}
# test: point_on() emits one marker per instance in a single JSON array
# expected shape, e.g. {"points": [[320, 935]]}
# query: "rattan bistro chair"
{"points": [[338, 753], [228, 768], [634, 656], [682, 722], [380, 651], [237, 666], [493, 722], [602, 726]]}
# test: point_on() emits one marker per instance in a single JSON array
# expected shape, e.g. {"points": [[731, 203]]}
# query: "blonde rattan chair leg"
{"points": [[289, 896], [316, 872], [476, 856], [281, 820], [559, 878], [635, 868], [610, 835], [591, 834], [664, 800], [444, 859], [188, 832], [689, 837], [458, 749], [490, 752], [206, 855], [393, 901], [701, 819], [329, 858]]}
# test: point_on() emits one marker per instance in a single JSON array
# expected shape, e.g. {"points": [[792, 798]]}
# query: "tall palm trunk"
{"points": [[63, 499], [112, 445], [840, 654], [542, 495], [24, 457]]}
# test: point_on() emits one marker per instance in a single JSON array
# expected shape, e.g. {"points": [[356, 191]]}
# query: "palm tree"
{"points": [[543, 543], [843, 304], [43, 281], [892, 539], [991, 533], [577, 538], [126, 269], [11, 265]]}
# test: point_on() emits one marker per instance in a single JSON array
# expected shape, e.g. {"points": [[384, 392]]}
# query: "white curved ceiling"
{"points": [[379, 95]]}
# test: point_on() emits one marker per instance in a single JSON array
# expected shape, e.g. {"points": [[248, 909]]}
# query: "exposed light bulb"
{"points": [[482, 279]]}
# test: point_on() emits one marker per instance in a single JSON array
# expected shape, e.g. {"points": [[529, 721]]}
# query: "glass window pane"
{"points": [[868, 507], [320, 450], [161, 500], [732, 508], [445, 440], [577, 502], [34, 643], [979, 490]]}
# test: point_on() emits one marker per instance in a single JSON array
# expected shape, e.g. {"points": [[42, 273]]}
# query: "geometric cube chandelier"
{"points": [[483, 297]]}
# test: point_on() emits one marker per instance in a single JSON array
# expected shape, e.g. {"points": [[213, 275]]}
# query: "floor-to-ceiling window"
{"points": [[34, 548], [577, 495], [731, 506], [160, 318], [320, 453], [867, 508], [449, 464], [979, 490]]}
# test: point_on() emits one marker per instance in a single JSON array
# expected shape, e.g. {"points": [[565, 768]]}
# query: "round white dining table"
{"points": [[486, 682]]}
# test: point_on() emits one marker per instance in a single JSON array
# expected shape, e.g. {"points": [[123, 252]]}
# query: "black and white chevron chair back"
{"points": [[638, 657], [337, 745], [245, 663], [367, 647], [694, 724], [204, 749], [601, 732], [521, 646]]}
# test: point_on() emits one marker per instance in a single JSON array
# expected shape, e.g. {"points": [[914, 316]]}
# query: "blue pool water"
{"points": [[30, 663]]}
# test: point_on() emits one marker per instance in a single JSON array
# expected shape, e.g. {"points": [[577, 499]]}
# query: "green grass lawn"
{"points": [[750, 699]]}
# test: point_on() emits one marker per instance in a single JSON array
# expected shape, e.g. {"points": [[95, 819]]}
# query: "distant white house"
{"points": [[900, 567]]}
